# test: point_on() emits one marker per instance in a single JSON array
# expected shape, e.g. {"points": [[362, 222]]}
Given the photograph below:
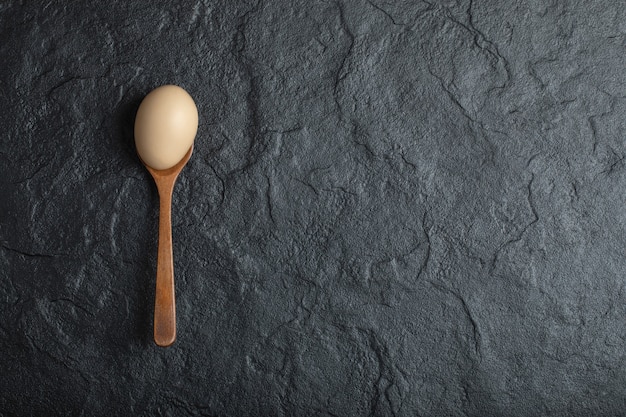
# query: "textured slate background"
{"points": [[393, 209]]}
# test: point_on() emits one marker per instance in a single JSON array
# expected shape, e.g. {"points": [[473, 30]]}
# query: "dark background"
{"points": [[400, 208]]}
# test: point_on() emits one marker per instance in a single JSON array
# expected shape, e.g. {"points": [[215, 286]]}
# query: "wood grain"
{"points": [[165, 300]]}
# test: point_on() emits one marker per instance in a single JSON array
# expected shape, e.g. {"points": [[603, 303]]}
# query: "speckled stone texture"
{"points": [[400, 208]]}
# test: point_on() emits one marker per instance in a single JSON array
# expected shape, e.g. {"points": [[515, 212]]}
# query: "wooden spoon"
{"points": [[165, 128], [165, 304]]}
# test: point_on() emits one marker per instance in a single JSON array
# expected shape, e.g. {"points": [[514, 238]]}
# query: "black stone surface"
{"points": [[393, 209]]}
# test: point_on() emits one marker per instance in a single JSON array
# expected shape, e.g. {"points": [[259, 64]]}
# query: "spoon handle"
{"points": [[165, 305]]}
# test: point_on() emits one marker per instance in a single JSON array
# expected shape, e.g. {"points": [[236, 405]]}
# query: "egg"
{"points": [[165, 126]]}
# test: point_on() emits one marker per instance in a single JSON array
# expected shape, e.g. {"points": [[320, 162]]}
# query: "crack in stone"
{"points": [[268, 197], [476, 334], [340, 75], [591, 120], [474, 124], [481, 41], [254, 129], [307, 184], [33, 254], [74, 304], [520, 235], [426, 231], [383, 11]]}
